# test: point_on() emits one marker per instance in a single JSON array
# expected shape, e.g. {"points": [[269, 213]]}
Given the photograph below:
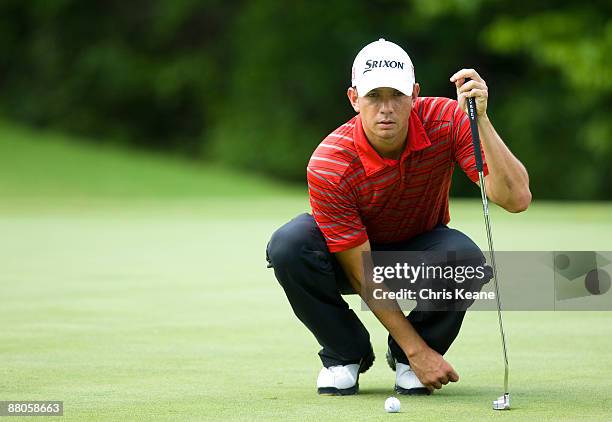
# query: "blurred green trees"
{"points": [[259, 83]]}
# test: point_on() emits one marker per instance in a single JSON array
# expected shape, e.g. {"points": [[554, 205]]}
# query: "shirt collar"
{"points": [[372, 162]]}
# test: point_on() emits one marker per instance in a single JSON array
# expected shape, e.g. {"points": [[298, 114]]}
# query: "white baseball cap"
{"points": [[382, 64]]}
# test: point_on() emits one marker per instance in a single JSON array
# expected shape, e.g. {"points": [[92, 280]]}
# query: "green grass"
{"points": [[139, 303], [48, 165]]}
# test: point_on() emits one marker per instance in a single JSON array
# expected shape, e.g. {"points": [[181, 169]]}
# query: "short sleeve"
{"points": [[334, 208], [462, 145]]}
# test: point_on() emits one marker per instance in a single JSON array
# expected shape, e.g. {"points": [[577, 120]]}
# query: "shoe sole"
{"points": [[333, 391], [422, 391]]}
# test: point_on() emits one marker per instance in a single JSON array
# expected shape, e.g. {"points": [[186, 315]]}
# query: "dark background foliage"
{"points": [[258, 84]]}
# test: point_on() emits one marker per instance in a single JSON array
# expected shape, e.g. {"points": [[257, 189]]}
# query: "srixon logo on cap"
{"points": [[373, 64]]}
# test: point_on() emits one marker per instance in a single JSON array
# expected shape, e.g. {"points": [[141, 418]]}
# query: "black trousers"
{"points": [[314, 283]]}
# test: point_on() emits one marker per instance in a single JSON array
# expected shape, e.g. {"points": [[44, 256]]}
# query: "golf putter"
{"points": [[502, 402]]}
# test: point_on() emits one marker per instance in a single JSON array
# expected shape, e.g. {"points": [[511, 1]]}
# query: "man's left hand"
{"points": [[476, 88]]}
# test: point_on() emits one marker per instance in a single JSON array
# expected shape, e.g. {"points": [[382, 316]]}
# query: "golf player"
{"points": [[381, 182]]}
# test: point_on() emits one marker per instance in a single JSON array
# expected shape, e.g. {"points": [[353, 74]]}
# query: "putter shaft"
{"points": [[473, 116], [485, 209]]}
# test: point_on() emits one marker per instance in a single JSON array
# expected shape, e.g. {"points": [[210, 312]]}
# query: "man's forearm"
{"points": [[386, 310], [508, 182], [392, 318]]}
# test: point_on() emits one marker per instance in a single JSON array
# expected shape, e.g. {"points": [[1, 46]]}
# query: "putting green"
{"points": [[128, 299], [166, 310]]}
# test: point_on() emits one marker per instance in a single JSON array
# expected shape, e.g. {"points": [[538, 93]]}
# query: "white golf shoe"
{"points": [[340, 380], [406, 381]]}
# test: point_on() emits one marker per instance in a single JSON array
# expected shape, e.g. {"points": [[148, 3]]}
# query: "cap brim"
{"points": [[369, 84]]}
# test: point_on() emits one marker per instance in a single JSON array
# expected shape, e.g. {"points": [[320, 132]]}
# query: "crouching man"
{"points": [[381, 182]]}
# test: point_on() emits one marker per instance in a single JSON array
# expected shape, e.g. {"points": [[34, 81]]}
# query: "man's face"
{"points": [[384, 114]]}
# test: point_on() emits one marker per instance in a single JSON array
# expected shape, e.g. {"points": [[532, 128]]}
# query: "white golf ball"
{"points": [[392, 405]]}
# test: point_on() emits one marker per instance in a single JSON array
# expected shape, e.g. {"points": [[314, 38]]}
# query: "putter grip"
{"points": [[473, 115]]}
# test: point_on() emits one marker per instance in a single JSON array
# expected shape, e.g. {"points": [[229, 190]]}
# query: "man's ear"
{"points": [[415, 91], [351, 93]]}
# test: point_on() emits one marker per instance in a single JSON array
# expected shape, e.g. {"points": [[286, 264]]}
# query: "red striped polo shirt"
{"points": [[357, 195]]}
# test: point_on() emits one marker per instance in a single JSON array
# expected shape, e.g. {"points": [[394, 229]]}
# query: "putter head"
{"points": [[502, 402]]}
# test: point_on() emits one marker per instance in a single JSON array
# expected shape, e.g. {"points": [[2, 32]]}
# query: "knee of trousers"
{"points": [[464, 248], [459, 251], [297, 248], [284, 249], [469, 254]]}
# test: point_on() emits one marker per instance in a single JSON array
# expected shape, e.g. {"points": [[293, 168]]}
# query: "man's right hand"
{"points": [[431, 368]]}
